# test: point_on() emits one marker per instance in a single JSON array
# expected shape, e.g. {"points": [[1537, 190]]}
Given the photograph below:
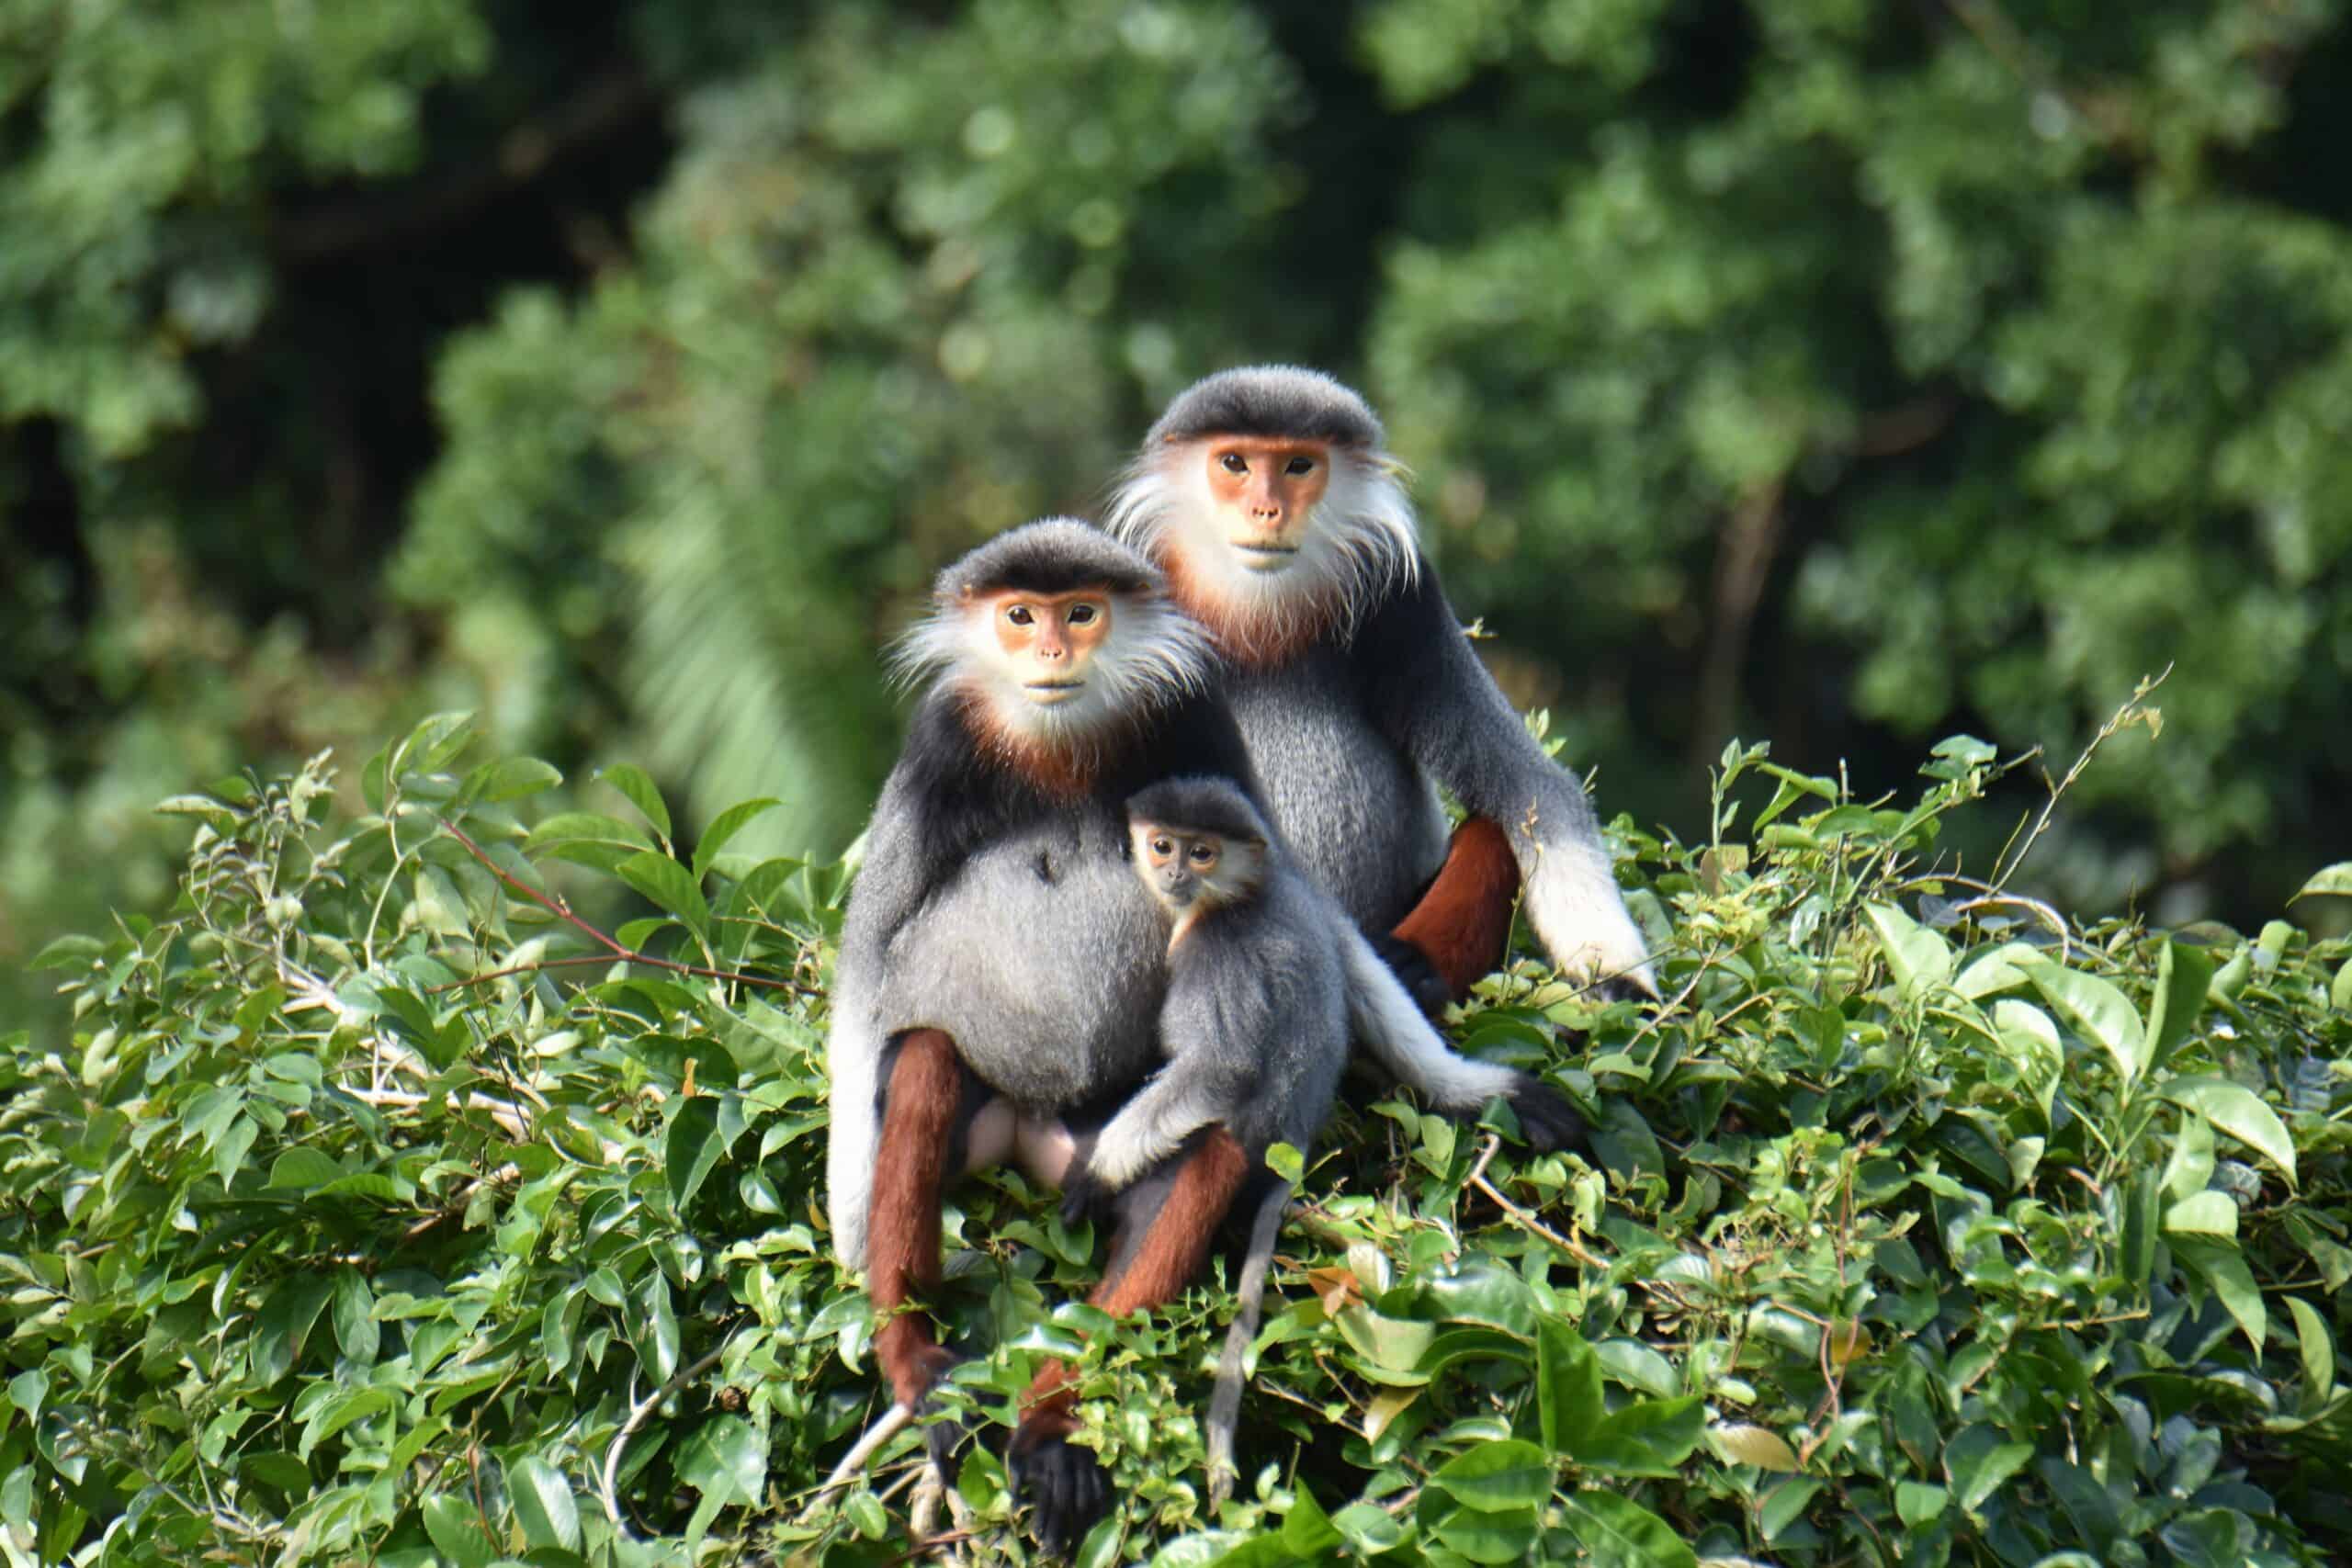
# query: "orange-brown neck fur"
{"points": [[1252, 638], [1063, 769]]}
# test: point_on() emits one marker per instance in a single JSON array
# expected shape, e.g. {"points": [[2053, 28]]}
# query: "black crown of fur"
{"points": [[1269, 400], [1199, 804], [1056, 554]]}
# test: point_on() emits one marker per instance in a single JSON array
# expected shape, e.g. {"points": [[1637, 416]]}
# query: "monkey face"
{"points": [[1048, 641], [1265, 490], [1192, 871], [1179, 868]]}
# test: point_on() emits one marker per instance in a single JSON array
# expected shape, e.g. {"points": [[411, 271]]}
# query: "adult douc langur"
{"points": [[1003, 967], [1267, 497]]}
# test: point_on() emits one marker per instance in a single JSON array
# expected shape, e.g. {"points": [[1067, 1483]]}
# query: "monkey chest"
{"points": [[1355, 809]]}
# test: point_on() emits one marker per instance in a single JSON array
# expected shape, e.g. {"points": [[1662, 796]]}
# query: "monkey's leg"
{"points": [[928, 1097], [1170, 1226], [1462, 923]]}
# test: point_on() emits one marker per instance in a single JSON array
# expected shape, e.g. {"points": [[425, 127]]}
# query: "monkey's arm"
{"points": [[1427, 689], [1189, 1093]]}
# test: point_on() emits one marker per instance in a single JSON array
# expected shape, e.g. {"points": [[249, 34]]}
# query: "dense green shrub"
{"points": [[379, 1212]]}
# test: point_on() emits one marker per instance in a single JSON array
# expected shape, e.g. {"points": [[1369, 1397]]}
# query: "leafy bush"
{"points": [[383, 1209]]}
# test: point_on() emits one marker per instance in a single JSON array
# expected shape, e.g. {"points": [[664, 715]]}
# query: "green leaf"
{"points": [[1977, 1462], [1483, 1537], [1920, 959], [542, 1504], [669, 884], [2182, 975], [2097, 1011], [1567, 1387], [632, 782], [1495, 1476], [2337, 879], [1786, 1504], [2224, 1268], [355, 1404], [1918, 1503], [355, 1322], [1651, 1438], [1370, 1529], [457, 1530], [509, 778], [725, 1460], [692, 1148], [2204, 1213], [285, 1322], [2318, 1347], [27, 1390], [1307, 1530], [727, 823], [302, 1167], [656, 1329], [2237, 1111], [1620, 1533]]}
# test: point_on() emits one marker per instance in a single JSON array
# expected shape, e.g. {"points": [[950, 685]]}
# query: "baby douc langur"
{"points": [[1254, 1029]]}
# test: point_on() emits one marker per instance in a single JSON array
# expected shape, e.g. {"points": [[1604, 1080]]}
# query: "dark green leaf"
{"points": [[1620, 1533], [2183, 972], [693, 1147], [1495, 1476], [669, 884], [1568, 1386], [1650, 1438]]}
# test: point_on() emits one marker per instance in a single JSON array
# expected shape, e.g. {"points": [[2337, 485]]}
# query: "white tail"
{"points": [[1384, 1017]]}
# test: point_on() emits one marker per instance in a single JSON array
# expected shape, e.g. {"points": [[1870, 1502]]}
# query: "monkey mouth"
{"points": [[1051, 692], [1258, 556]]}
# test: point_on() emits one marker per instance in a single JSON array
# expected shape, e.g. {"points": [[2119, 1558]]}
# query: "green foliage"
{"points": [[380, 1208], [624, 373]]}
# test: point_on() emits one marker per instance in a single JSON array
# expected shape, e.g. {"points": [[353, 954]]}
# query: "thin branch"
{"points": [[606, 1488], [1525, 1220], [563, 911], [893, 1421], [2131, 712]]}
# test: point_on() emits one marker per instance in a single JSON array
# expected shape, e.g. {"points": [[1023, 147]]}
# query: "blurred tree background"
{"points": [[1839, 372]]}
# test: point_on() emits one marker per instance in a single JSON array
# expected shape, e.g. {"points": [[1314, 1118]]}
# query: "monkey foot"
{"points": [[1068, 1487], [1545, 1118], [1084, 1198], [946, 1435], [1414, 969]]}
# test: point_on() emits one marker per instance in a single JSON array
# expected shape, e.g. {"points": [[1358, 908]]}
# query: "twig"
{"points": [[894, 1420], [2130, 713], [1526, 1220], [605, 1491], [563, 911]]}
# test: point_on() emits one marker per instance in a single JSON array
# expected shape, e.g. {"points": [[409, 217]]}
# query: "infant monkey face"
{"points": [[1179, 868]]}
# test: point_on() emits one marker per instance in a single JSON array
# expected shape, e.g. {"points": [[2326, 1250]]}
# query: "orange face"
{"points": [[1050, 638], [1267, 488]]}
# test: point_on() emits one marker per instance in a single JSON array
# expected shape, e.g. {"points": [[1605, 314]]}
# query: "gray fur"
{"points": [[1255, 1031], [1357, 812], [1270, 400]]}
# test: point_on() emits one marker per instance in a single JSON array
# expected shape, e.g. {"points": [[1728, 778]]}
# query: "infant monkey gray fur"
{"points": [[1255, 1023]]}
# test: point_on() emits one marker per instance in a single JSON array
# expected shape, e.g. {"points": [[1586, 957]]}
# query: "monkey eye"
{"points": [[1019, 615], [1081, 614], [1298, 466], [1203, 854], [1234, 463], [1162, 846]]}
